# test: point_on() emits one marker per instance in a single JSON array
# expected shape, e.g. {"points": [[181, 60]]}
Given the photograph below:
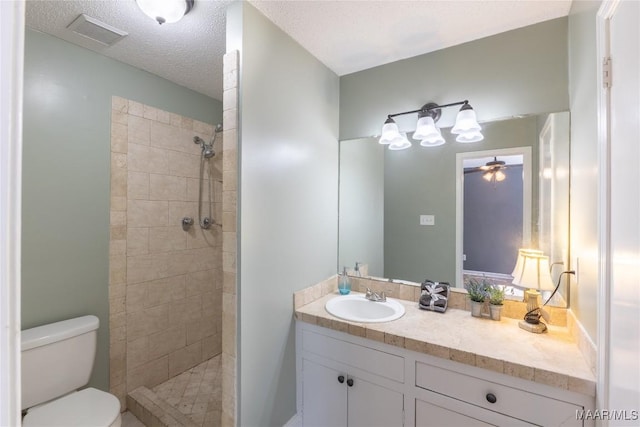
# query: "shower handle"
{"points": [[187, 222]]}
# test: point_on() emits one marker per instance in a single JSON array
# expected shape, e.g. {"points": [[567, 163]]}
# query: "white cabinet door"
{"points": [[324, 398], [371, 405]]}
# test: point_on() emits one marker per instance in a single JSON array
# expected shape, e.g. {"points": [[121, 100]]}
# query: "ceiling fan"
{"points": [[493, 170]]}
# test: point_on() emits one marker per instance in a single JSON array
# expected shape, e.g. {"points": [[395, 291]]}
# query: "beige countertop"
{"points": [[551, 358]]}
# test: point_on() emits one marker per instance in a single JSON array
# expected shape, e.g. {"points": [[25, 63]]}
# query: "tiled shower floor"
{"points": [[196, 393]]}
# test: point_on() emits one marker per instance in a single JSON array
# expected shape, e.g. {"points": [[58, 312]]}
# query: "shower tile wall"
{"points": [[165, 284]]}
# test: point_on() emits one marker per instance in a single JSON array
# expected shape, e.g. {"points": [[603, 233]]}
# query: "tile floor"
{"points": [[197, 393]]}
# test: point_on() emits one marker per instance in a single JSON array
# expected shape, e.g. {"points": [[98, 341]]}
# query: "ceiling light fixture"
{"points": [[466, 127], [165, 11]]}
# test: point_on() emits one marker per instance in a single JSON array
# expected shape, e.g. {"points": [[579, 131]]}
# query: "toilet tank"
{"points": [[57, 358]]}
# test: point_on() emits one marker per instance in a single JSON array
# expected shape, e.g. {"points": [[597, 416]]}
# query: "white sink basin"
{"points": [[356, 308]]}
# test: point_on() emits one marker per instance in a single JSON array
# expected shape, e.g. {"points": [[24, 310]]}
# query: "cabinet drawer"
{"points": [[510, 401], [367, 359]]}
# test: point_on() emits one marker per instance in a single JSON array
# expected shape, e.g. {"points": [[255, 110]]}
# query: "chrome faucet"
{"points": [[375, 297]]}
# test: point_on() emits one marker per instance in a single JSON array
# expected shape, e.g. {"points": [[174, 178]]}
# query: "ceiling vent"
{"points": [[96, 31]]}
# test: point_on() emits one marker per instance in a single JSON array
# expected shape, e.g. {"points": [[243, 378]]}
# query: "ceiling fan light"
{"points": [[401, 143], [165, 11], [487, 176], [500, 176], [468, 137], [466, 121], [426, 129], [389, 132]]}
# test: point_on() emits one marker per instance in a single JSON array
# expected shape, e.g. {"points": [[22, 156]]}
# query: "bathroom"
{"points": [[286, 235]]}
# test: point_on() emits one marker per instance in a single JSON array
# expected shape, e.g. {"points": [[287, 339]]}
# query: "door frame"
{"points": [[605, 13], [525, 151], [12, 29]]}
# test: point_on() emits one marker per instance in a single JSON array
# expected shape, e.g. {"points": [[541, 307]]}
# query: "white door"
{"points": [[624, 330], [371, 405], [324, 396]]}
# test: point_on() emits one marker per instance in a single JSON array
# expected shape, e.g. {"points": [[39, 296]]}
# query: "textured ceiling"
{"points": [[188, 52], [347, 36]]}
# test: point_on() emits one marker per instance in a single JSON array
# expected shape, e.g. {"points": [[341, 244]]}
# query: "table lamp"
{"points": [[532, 274]]}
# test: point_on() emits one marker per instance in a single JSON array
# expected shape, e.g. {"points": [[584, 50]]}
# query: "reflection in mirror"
{"points": [[383, 195]]}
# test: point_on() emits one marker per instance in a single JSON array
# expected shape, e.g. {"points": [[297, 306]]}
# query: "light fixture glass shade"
{"points": [[433, 141], [401, 143], [532, 271], [389, 132], [165, 11], [466, 121], [426, 129], [467, 137], [500, 176], [487, 176]]}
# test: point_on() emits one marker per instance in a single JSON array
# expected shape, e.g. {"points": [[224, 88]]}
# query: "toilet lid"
{"points": [[87, 408]]}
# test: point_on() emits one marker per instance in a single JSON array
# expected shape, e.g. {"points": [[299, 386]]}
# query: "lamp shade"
{"points": [[532, 271], [401, 143], [471, 136], [426, 129], [389, 132], [165, 11], [466, 121], [433, 140]]}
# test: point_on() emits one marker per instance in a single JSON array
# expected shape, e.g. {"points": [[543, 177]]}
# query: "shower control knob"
{"points": [[187, 222], [341, 379], [350, 382]]}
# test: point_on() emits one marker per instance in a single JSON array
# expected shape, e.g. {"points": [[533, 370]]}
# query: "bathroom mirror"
{"points": [[385, 195]]}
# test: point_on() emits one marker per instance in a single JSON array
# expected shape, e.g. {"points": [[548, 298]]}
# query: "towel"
{"points": [[434, 296]]}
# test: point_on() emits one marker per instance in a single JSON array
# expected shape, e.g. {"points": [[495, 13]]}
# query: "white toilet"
{"points": [[57, 360]]}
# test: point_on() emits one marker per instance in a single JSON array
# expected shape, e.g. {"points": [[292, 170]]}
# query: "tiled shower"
{"points": [[165, 281]]}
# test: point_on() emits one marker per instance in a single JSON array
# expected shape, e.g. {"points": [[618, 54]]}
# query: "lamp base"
{"points": [[537, 328]]}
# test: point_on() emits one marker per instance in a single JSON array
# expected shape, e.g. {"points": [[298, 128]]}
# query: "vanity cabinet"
{"points": [[529, 407], [333, 398], [343, 384], [345, 380]]}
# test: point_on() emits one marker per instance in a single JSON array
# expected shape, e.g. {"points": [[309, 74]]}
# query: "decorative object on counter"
{"points": [[466, 127], [496, 299], [477, 290], [344, 283], [532, 273], [434, 296]]}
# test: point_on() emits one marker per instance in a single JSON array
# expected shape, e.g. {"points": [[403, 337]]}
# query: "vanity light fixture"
{"points": [[165, 11], [466, 127]]}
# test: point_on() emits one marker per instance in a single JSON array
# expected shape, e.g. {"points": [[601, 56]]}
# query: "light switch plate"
{"points": [[427, 220]]}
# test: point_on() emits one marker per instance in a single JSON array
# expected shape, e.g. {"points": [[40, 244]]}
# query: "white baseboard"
{"points": [[295, 421]]}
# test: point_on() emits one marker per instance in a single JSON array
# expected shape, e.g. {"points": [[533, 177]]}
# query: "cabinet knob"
{"points": [[350, 382], [491, 398], [341, 379]]}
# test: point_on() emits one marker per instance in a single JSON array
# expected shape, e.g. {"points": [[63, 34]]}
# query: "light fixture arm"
{"points": [[430, 109]]}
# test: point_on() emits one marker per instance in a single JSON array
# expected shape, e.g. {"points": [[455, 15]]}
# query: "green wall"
{"points": [[288, 204], [583, 66], [66, 161], [523, 71]]}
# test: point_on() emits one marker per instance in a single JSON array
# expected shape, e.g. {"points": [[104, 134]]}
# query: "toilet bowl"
{"points": [[57, 360]]}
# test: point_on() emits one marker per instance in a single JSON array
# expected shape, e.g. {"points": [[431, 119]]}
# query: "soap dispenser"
{"points": [[344, 284]]}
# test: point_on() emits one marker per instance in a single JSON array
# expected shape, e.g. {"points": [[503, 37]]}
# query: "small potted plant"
{"points": [[496, 299], [477, 290]]}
